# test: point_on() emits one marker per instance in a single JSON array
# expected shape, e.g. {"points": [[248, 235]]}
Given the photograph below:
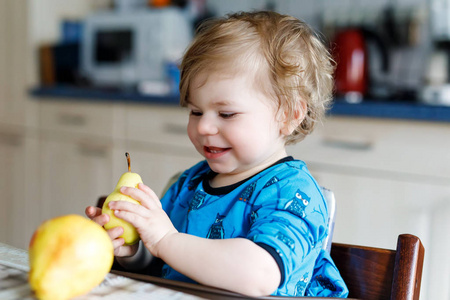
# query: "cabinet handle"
{"points": [[11, 139], [72, 119], [348, 145], [175, 129], [98, 151]]}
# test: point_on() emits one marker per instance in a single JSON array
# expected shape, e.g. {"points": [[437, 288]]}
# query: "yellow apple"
{"points": [[69, 255], [130, 234]]}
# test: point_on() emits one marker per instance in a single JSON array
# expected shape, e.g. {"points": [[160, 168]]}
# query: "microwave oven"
{"points": [[125, 48]]}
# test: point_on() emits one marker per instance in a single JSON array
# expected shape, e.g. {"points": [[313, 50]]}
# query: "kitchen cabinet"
{"points": [[77, 154], [374, 210], [73, 175], [83, 144], [18, 185], [12, 152], [389, 177]]}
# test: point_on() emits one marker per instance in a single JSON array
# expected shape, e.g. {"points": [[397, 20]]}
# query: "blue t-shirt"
{"points": [[281, 208]]}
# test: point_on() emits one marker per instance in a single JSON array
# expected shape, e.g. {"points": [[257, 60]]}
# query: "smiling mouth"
{"points": [[215, 150]]}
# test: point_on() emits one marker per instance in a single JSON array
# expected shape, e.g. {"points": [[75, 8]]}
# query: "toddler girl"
{"points": [[249, 218]]}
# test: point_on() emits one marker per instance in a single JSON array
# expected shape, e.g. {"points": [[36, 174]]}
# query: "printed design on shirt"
{"points": [[272, 180], [193, 183], [301, 285], [197, 200], [254, 213], [320, 212], [216, 230], [253, 216], [297, 205], [286, 240], [325, 283], [248, 192]]}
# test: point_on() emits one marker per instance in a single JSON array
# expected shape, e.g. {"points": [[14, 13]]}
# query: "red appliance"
{"points": [[349, 52], [362, 68]]}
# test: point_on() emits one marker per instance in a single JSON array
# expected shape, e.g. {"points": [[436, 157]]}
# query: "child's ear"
{"points": [[289, 125]]}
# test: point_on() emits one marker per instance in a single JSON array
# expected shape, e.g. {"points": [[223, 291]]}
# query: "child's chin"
{"points": [[218, 168]]}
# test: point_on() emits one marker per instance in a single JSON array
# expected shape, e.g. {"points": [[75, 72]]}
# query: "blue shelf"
{"points": [[365, 109]]}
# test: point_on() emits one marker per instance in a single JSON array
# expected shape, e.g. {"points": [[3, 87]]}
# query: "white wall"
{"points": [[46, 16]]}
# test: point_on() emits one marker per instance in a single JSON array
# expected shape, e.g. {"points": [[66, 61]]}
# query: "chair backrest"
{"points": [[331, 203], [375, 273]]}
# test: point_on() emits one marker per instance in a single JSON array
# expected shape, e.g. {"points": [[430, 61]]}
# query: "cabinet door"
{"points": [[74, 174], [12, 182], [374, 210]]}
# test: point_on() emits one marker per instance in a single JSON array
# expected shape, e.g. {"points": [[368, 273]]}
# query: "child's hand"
{"points": [[95, 214], [149, 219]]}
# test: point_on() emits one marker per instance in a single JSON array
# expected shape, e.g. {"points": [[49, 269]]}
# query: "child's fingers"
{"points": [[148, 191], [134, 214], [131, 208], [122, 249], [115, 232], [149, 201], [117, 243], [92, 211], [95, 214]]}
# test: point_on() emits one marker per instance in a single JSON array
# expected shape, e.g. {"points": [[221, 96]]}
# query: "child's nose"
{"points": [[207, 126]]}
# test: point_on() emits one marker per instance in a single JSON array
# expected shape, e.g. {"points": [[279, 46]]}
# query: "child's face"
{"points": [[234, 125]]}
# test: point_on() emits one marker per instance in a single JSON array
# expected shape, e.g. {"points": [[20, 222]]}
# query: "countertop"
{"points": [[368, 108]]}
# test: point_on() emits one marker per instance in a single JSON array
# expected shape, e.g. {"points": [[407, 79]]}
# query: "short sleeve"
{"points": [[290, 216]]}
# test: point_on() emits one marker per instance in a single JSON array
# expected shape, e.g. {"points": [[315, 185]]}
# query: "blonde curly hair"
{"points": [[288, 58]]}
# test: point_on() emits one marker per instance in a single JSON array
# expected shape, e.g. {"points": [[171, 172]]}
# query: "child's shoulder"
{"points": [[290, 173], [289, 167]]}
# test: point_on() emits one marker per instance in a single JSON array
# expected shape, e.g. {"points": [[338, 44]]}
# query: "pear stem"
{"points": [[127, 155]]}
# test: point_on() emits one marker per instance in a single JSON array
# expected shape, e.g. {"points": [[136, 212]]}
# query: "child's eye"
{"points": [[227, 115], [195, 113]]}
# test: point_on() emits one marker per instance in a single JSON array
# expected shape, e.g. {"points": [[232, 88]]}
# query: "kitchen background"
{"points": [[69, 112]]}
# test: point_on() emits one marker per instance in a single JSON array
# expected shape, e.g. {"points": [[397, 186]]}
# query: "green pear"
{"points": [[130, 234], [68, 255]]}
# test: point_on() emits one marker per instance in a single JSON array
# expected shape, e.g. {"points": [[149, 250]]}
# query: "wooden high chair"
{"points": [[375, 273]]}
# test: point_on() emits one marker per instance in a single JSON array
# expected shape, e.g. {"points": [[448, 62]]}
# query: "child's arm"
{"points": [[234, 264]]}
